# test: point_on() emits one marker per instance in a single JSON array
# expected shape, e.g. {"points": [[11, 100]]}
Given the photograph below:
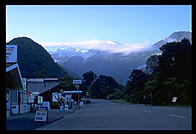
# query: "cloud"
{"points": [[101, 45]]}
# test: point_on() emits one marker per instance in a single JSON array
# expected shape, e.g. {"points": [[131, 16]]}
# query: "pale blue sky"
{"points": [[74, 23]]}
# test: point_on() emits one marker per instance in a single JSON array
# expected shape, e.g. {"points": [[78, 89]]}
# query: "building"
{"points": [[43, 87], [16, 98]]}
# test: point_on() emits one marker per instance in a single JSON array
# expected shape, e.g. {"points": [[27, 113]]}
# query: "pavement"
{"points": [[26, 121]]}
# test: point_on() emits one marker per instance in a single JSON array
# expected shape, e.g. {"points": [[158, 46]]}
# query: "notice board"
{"points": [[41, 114]]}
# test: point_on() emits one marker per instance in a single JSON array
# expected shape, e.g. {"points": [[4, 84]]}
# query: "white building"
{"points": [[16, 97]]}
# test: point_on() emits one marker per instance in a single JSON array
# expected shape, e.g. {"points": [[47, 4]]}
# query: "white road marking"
{"points": [[178, 116]]}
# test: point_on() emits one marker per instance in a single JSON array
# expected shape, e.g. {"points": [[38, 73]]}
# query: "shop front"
{"points": [[16, 98]]}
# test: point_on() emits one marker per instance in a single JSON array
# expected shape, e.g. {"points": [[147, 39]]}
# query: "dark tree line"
{"points": [[98, 87], [168, 75]]}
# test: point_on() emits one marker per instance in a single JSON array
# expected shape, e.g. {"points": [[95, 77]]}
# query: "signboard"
{"points": [[40, 99], [46, 104], [11, 53], [15, 109], [35, 80], [77, 81], [41, 114], [52, 79], [174, 99], [66, 107], [55, 97], [30, 98], [24, 83]]}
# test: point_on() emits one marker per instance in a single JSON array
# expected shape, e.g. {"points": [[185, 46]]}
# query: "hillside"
{"points": [[34, 60]]}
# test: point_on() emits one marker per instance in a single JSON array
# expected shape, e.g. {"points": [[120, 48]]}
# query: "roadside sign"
{"points": [[40, 99], [41, 114], [55, 97], [174, 99], [77, 81], [66, 107], [11, 53], [24, 82]]}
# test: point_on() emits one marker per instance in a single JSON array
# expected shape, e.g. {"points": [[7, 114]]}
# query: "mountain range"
{"points": [[117, 65], [35, 61]]}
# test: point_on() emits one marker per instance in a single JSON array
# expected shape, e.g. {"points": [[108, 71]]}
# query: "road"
{"points": [[109, 115]]}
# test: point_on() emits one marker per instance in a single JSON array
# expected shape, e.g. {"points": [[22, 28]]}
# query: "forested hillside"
{"points": [[34, 60]]}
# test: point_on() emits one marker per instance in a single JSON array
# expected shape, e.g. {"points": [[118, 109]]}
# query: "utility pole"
{"points": [[77, 87], [77, 83], [151, 98]]}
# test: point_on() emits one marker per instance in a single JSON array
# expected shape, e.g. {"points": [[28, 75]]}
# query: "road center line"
{"points": [[178, 116]]}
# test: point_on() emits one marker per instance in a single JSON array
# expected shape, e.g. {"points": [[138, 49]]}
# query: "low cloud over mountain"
{"points": [[108, 57], [99, 45]]}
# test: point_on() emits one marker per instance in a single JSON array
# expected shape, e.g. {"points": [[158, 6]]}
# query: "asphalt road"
{"points": [[108, 115]]}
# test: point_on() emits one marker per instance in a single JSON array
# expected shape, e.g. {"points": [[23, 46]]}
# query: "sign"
{"points": [[46, 104], [30, 98], [55, 97], [24, 83], [52, 79], [41, 114], [15, 109], [40, 99], [66, 107], [174, 99], [35, 80], [77, 81], [11, 53]]}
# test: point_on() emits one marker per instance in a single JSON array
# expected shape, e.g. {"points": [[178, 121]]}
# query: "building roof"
{"points": [[42, 79], [41, 85], [13, 76], [72, 92]]}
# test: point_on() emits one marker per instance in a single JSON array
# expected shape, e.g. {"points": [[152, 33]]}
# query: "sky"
{"points": [[129, 25]]}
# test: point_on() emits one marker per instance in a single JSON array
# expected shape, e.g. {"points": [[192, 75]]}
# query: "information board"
{"points": [[55, 97], [174, 99], [77, 81], [24, 82], [11, 53], [41, 115]]}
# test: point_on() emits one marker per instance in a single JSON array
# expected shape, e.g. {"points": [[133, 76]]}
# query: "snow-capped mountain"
{"points": [[109, 58]]}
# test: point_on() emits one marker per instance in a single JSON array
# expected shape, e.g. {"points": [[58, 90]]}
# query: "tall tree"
{"points": [[174, 77], [103, 86], [136, 81], [88, 78], [176, 60], [152, 64]]}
